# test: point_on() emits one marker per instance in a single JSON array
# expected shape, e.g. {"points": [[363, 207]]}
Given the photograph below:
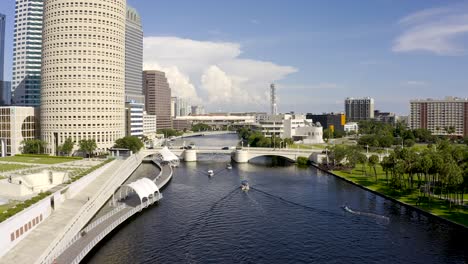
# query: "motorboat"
{"points": [[347, 209], [245, 185], [229, 166], [210, 173]]}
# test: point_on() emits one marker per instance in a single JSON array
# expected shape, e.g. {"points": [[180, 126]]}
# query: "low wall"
{"points": [[78, 185], [17, 227]]}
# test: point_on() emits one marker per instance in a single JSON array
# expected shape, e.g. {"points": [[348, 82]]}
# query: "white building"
{"points": [[351, 126], [183, 107], [149, 125], [134, 119], [218, 120], [17, 123], [27, 46], [83, 72], [294, 126]]}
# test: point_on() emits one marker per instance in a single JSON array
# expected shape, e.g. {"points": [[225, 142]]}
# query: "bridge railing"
{"points": [[60, 244], [109, 228]]}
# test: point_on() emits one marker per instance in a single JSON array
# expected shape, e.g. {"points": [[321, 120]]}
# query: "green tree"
{"points": [[33, 146], [129, 142], [373, 161], [67, 146], [201, 127], [88, 146]]}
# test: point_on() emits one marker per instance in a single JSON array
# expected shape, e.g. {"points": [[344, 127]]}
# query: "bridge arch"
{"points": [[288, 157]]}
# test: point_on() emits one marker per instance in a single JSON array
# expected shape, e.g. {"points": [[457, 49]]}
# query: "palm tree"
{"points": [[373, 161]]}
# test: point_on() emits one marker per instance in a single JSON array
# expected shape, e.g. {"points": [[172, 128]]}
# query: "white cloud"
{"points": [[415, 83], [212, 72], [436, 30]]}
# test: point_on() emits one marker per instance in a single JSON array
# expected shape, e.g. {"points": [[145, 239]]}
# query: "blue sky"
{"points": [[224, 54]]}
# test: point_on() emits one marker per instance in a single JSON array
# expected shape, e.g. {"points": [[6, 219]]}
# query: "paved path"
{"points": [[33, 245], [88, 239]]}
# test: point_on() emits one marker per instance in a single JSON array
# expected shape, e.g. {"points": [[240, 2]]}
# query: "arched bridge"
{"points": [[241, 155]]}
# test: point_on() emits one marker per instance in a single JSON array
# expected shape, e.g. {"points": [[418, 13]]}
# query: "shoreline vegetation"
{"points": [[412, 166]]}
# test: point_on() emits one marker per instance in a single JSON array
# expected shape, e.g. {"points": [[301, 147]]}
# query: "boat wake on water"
{"points": [[293, 203], [377, 216]]}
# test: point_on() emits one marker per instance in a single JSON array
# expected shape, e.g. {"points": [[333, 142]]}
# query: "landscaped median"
{"points": [[434, 205], [39, 159]]}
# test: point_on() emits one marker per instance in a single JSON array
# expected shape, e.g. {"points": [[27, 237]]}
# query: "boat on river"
{"points": [[210, 173], [245, 185], [229, 166]]}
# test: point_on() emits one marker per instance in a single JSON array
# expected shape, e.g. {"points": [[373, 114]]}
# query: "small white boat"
{"points": [[245, 185], [229, 166], [210, 173]]}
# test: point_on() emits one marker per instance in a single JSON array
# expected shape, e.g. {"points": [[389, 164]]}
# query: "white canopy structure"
{"points": [[166, 155], [144, 188]]}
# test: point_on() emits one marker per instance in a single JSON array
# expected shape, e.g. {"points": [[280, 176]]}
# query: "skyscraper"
{"points": [[133, 57], [158, 97], [83, 72], [27, 46], [358, 109], [2, 45]]}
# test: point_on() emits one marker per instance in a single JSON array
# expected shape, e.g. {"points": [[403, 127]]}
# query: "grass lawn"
{"points": [[436, 206], [36, 160], [4, 207], [12, 167], [305, 146]]}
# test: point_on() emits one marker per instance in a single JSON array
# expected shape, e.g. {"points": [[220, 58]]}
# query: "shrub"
{"points": [[302, 161]]}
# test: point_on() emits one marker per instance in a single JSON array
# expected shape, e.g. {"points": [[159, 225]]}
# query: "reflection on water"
{"points": [[290, 215]]}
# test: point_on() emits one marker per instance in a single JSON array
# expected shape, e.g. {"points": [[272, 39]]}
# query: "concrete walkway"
{"points": [[34, 245], [78, 250]]}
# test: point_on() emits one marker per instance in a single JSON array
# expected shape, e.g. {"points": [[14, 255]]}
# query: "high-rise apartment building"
{"points": [[358, 109], [439, 115], [158, 97], [2, 45], [133, 57], [27, 47], [83, 72], [183, 107], [173, 107]]}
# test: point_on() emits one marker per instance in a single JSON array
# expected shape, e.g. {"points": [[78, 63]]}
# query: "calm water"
{"points": [[290, 215]]}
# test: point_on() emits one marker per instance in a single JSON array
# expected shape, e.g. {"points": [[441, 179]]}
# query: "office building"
{"points": [[134, 119], [198, 110], [294, 126], [332, 121], [5, 93], [359, 109], [183, 107], [17, 123], [173, 107], [158, 97], [149, 125], [133, 57], [27, 52], [385, 117], [2, 45], [83, 72], [439, 115]]}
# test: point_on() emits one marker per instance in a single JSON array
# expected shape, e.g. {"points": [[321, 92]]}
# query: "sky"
{"points": [[225, 54]]}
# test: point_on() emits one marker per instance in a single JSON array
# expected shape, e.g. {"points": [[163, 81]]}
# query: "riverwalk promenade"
{"points": [[84, 241], [72, 215]]}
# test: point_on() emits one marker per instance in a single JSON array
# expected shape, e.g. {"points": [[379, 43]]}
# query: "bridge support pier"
{"points": [[241, 156], [190, 155]]}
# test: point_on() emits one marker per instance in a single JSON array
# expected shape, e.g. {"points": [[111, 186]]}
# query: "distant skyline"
{"points": [[225, 54]]}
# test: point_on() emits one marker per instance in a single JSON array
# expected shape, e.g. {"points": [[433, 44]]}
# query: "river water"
{"points": [[291, 215]]}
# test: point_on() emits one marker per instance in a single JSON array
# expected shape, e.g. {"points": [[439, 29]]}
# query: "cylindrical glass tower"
{"points": [[83, 72]]}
